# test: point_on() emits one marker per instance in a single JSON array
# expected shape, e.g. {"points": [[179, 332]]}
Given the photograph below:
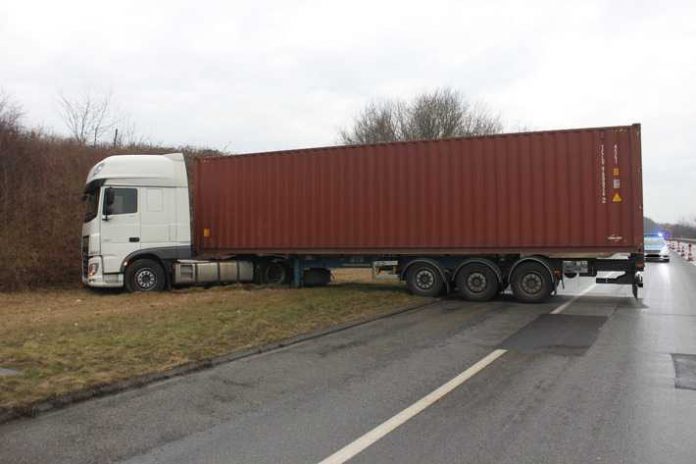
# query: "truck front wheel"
{"points": [[145, 275]]}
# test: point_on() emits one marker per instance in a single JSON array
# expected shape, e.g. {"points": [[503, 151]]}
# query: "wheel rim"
{"points": [[146, 279], [425, 279], [476, 282], [532, 283]]}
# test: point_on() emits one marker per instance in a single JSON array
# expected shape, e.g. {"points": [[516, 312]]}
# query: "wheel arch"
{"points": [[130, 259], [538, 259], [486, 262], [145, 254], [163, 255], [431, 262]]}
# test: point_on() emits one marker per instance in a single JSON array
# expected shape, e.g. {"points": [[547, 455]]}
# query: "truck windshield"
{"points": [[91, 205]]}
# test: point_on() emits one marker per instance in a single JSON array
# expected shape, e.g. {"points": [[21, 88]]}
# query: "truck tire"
{"points": [[275, 273], [531, 282], [145, 275], [477, 282], [423, 279]]}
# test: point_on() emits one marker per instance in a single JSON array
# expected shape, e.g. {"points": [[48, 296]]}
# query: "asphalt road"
{"points": [[594, 383]]}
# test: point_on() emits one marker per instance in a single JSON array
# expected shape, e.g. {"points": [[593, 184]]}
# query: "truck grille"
{"points": [[85, 254]]}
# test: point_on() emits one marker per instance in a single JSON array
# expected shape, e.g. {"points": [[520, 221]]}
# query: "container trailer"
{"points": [[475, 214]]}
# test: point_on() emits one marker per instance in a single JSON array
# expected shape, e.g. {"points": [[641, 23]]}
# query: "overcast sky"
{"points": [[254, 76]]}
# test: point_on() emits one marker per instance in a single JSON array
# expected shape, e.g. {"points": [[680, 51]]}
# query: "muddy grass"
{"points": [[62, 341]]}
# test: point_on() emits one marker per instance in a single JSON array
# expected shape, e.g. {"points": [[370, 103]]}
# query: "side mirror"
{"points": [[109, 196]]}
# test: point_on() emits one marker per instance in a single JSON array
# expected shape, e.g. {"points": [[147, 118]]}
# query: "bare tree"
{"points": [[10, 112], [378, 122], [432, 115], [87, 118], [436, 115]]}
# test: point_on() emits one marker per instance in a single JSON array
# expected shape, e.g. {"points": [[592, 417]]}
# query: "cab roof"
{"points": [[153, 170]]}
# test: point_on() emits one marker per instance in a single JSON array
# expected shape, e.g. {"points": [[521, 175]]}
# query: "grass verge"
{"points": [[64, 341]]}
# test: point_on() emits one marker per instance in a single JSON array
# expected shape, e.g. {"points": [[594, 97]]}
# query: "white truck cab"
{"points": [[137, 209]]}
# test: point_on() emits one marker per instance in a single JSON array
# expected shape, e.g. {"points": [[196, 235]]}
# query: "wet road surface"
{"points": [[607, 379]]}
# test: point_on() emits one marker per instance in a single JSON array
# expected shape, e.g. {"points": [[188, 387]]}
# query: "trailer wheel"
{"points": [[531, 282], [423, 279], [477, 282], [145, 275]]}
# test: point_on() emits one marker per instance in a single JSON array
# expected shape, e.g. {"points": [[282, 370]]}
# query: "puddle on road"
{"points": [[556, 333]]}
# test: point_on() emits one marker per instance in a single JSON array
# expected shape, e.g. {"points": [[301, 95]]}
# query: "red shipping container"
{"points": [[563, 193]]}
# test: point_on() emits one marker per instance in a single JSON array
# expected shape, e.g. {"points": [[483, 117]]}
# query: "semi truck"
{"points": [[475, 215]]}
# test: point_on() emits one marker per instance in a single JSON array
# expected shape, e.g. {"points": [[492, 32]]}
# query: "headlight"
{"points": [[93, 269], [664, 251]]}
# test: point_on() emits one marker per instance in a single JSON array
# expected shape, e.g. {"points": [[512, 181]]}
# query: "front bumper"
{"points": [[656, 256], [100, 280]]}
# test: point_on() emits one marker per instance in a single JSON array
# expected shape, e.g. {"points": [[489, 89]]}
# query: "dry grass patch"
{"points": [[63, 341]]}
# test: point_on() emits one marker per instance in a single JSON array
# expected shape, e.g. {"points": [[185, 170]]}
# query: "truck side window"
{"points": [[125, 201]]}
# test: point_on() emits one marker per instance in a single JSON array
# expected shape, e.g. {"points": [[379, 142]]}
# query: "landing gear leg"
{"points": [[637, 282]]}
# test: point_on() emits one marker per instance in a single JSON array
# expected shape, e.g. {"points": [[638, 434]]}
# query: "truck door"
{"points": [[120, 226]]}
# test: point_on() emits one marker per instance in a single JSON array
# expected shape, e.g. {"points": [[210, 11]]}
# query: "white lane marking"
{"points": [[565, 305], [352, 449], [360, 444]]}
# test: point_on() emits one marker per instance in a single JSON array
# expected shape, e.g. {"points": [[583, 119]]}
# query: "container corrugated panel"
{"points": [[553, 192]]}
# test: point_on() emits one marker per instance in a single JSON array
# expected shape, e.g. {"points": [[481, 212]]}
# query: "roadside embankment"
{"points": [[71, 340]]}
